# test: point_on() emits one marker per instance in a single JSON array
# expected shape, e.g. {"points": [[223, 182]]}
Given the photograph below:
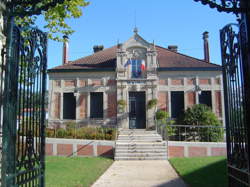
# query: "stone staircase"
{"points": [[140, 144]]}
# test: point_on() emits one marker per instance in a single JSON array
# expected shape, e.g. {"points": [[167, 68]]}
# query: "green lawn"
{"points": [[202, 171], [74, 171]]}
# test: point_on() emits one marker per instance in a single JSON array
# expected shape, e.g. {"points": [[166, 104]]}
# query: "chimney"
{"points": [[97, 48], [173, 48], [65, 49], [206, 47]]}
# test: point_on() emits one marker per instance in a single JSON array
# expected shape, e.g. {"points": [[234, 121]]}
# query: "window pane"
{"points": [[69, 106], [136, 68], [96, 105], [205, 98]]}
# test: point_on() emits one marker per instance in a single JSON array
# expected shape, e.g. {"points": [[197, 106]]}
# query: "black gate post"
{"points": [[23, 147], [245, 53], [10, 107]]}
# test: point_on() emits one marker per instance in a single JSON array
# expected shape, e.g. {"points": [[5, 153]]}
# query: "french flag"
{"points": [[143, 65], [127, 63]]}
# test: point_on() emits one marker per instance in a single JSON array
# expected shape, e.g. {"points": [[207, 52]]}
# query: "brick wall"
{"points": [[112, 104], [111, 82], [77, 147], [191, 98], [96, 82], [191, 81], [177, 81], [204, 81], [163, 101], [163, 82], [196, 149]]}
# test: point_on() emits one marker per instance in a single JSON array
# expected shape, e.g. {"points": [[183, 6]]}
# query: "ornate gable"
{"points": [[136, 48]]}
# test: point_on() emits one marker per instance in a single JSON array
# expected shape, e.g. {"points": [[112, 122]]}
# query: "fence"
{"points": [[196, 133]]}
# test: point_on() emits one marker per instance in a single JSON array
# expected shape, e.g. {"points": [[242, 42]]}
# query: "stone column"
{"points": [[185, 93], [77, 96], [196, 93], [105, 105], [213, 95], [61, 106], [222, 100]]}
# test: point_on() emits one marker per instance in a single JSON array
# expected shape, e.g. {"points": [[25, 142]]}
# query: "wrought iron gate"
{"points": [[232, 49], [23, 108]]}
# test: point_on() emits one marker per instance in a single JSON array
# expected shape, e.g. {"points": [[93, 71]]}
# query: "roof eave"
{"points": [[81, 70], [189, 68]]}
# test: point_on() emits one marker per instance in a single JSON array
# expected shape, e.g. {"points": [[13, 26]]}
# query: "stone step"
{"points": [[141, 158], [136, 132], [140, 145], [153, 151], [136, 143], [119, 150], [139, 141], [139, 137], [141, 148], [140, 154]]}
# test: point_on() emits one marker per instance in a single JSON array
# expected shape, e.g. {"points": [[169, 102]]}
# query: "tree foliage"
{"points": [[202, 115], [55, 13], [164, 121]]}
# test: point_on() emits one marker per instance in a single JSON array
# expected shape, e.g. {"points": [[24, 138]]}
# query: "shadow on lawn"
{"points": [[104, 153], [213, 175]]}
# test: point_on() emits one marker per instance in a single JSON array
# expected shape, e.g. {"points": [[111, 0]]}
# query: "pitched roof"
{"points": [[106, 60]]}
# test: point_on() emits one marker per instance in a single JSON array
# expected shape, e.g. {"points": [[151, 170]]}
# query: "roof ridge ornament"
{"points": [[136, 30]]}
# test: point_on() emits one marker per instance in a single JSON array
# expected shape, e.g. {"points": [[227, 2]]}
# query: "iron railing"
{"points": [[194, 133]]}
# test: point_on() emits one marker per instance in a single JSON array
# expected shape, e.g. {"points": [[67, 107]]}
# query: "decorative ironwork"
{"points": [[235, 106], [23, 8], [24, 109], [228, 6]]}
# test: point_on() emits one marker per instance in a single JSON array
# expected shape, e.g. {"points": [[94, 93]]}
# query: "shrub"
{"points": [[161, 115], [202, 115], [60, 133], [50, 133], [99, 133], [164, 120]]}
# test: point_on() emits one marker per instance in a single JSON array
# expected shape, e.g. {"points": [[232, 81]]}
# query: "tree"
{"points": [[55, 13]]}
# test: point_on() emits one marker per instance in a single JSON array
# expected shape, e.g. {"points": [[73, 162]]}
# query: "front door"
{"points": [[137, 110]]}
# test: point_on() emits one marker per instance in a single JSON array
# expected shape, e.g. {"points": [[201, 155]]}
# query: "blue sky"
{"points": [[167, 22]]}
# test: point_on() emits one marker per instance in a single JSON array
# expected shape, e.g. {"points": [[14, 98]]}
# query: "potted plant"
{"points": [[152, 103], [121, 105]]}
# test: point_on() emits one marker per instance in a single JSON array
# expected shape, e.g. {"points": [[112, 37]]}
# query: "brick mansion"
{"points": [[90, 90]]}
